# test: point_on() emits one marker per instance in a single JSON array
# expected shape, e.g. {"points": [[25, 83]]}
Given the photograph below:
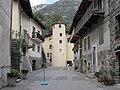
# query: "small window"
{"points": [[50, 39], [85, 44], [38, 48], [33, 49], [60, 34], [59, 25], [101, 36], [50, 47], [47, 54], [60, 50], [60, 41], [88, 42], [33, 29], [38, 31], [67, 39], [100, 6]]}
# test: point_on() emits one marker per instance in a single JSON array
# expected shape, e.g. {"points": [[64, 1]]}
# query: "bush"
{"points": [[14, 73], [97, 74]]}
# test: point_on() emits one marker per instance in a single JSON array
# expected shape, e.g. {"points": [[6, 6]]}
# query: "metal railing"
{"points": [[37, 35]]}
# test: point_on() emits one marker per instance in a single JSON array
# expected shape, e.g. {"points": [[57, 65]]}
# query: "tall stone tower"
{"points": [[58, 45]]}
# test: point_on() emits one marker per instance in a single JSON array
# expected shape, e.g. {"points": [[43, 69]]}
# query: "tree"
{"points": [[39, 15]]}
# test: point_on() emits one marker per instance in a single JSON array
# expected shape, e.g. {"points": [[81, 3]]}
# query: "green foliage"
{"points": [[43, 56], [51, 19], [15, 54], [97, 74], [62, 10], [39, 15], [14, 73]]}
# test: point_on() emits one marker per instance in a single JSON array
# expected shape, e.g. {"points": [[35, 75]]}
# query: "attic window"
{"points": [[59, 25]]}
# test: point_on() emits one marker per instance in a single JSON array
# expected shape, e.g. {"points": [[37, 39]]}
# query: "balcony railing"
{"points": [[92, 10], [37, 37]]}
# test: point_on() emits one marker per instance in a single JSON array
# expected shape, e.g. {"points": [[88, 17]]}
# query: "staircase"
{"points": [[15, 53], [116, 74]]}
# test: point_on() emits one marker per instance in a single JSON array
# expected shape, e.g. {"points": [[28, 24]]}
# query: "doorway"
{"points": [[94, 59], [33, 64], [118, 56], [69, 63]]}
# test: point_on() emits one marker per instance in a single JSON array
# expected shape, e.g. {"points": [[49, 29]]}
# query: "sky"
{"points": [[37, 2]]}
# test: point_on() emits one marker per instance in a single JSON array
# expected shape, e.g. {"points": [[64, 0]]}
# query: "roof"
{"points": [[80, 12], [27, 8], [59, 22]]}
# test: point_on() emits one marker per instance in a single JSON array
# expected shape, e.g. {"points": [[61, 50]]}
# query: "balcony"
{"points": [[26, 41], [92, 14], [73, 37], [37, 37]]}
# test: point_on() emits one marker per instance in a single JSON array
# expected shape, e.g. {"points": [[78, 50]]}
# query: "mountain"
{"points": [[64, 8]]}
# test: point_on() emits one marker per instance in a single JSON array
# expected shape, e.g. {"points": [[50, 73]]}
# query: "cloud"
{"points": [[37, 2]]}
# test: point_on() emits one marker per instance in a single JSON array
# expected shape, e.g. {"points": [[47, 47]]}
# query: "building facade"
{"points": [[91, 35], [5, 27], [47, 46], [114, 7], [57, 47], [27, 30]]}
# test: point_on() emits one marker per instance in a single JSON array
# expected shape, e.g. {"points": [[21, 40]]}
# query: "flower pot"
{"points": [[109, 81]]}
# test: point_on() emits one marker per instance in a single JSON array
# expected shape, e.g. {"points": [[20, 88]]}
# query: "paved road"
{"points": [[60, 79]]}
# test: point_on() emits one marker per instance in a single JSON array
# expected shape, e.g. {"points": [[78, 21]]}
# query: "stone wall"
{"points": [[5, 20], [115, 43]]}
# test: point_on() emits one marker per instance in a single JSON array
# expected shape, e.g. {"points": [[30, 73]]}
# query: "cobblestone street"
{"points": [[60, 79]]}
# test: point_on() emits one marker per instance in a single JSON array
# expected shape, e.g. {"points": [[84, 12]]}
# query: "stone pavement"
{"points": [[60, 79]]}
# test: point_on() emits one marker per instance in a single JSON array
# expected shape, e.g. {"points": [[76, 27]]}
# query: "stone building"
{"points": [[57, 48], [91, 36], [5, 23], [27, 30], [114, 55]]}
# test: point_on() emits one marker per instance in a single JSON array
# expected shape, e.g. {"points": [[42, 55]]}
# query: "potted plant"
{"points": [[12, 76], [108, 78], [99, 76], [24, 73]]}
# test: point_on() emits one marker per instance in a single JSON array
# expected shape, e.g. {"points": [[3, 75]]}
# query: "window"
{"points": [[38, 31], [117, 27], [59, 25], [100, 6], [60, 41], [38, 48], [50, 47], [33, 29], [47, 54], [25, 33], [101, 38], [88, 42], [60, 50], [33, 47], [60, 34], [50, 39], [67, 39], [85, 44]]}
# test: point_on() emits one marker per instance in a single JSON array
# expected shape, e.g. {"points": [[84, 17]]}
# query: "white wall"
{"points": [[59, 58]]}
